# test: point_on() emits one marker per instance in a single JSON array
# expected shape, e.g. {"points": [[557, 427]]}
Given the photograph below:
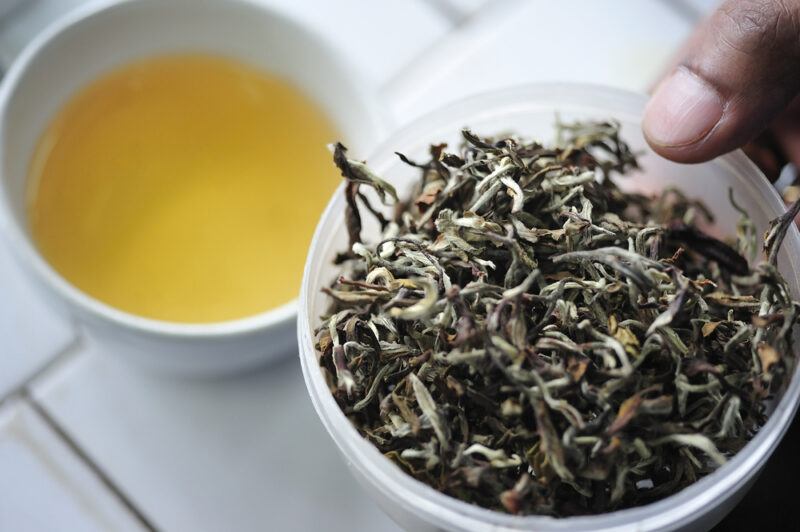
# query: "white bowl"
{"points": [[103, 35], [531, 111]]}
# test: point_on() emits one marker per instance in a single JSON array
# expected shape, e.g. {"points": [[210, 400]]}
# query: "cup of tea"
{"points": [[163, 165]]}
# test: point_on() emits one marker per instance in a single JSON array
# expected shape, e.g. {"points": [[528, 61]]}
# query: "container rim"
{"points": [[450, 513]]}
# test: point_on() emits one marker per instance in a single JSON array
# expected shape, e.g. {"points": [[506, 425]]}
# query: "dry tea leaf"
{"points": [[768, 356], [709, 327], [627, 411], [627, 339]]}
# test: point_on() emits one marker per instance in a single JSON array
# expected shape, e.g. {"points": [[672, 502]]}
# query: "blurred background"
{"points": [[87, 443]]}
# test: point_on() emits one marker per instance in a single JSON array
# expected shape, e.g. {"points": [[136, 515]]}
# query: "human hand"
{"points": [[738, 76]]}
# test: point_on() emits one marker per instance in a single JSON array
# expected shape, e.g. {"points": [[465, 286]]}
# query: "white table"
{"points": [[88, 443]]}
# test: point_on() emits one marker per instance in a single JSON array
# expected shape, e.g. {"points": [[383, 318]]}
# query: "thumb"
{"points": [[742, 69]]}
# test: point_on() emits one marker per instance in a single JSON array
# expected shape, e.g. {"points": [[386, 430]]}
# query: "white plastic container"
{"points": [[531, 111]]}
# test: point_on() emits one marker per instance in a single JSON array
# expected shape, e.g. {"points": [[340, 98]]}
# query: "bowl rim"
{"points": [[86, 304], [435, 507]]}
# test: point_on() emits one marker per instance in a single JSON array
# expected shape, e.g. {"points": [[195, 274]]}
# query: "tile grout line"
{"points": [[449, 11], [65, 352], [23, 392], [87, 461], [684, 10]]}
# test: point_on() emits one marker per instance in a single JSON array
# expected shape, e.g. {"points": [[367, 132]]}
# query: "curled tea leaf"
{"points": [[698, 441], [429, 409], [768, 356]]}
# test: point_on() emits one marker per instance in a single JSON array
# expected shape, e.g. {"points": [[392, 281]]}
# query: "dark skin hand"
{"points": [[737, 80]]}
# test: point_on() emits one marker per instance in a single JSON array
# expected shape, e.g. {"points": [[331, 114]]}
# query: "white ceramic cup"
{"points": [[104, 35]]}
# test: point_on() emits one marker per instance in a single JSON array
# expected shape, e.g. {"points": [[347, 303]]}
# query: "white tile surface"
{"points": [[376, 39], [43, 487], [244, 454], [515, 42], [32, 334]]}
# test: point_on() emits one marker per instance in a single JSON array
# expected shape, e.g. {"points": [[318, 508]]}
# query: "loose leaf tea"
{"points": [[527, 337]]}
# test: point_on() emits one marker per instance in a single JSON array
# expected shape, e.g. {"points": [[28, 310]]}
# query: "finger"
{"points": [[742, 70]]}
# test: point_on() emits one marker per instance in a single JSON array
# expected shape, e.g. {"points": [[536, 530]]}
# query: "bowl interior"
{"points": [[531, 112]]}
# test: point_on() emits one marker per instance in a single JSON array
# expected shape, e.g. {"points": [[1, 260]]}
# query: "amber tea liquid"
{"points": [[183, 188]]}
